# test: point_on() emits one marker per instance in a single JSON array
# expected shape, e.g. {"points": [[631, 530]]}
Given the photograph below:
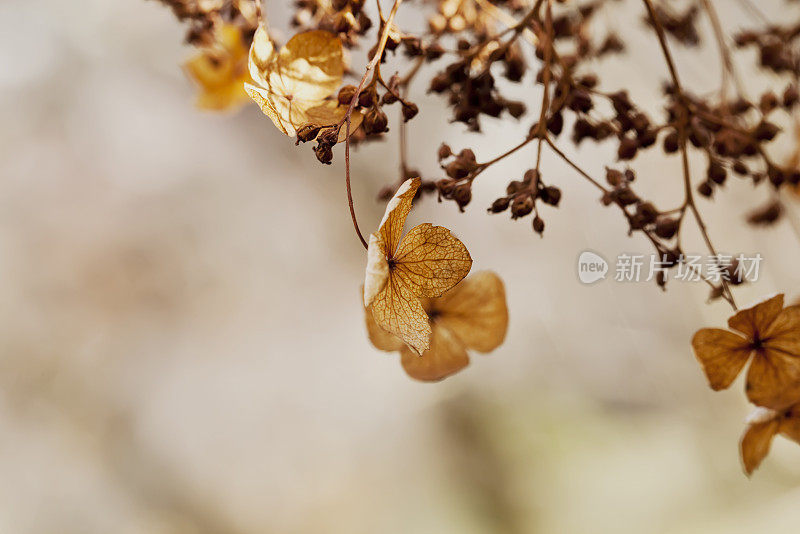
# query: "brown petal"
{"points": [[431, 260], [758, 318], [475, 311], [784, 332], [773, 380], [721, 354], [399, 312], [445, 357], [756, 441], [380, 338], [790, 424], [394, 218]]}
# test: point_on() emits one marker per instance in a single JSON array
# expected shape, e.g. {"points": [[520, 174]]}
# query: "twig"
{"points": [[371, 65], [689, 201]]}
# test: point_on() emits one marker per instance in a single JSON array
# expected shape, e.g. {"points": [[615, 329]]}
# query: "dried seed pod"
{"points": [[614, 177], [410, 110], [627, 148], [328, 136], [667, 227], [499, 205], [521, 206], [705, 189], [324, 153], [790, 96], [716, 172], [765, 131], [375, 122], [550, 195], [446, 186], [765, 215], [462, 194], [671, 142], [647, 212], [555, 124], [538, 225], [307, 134], [346, 94]]}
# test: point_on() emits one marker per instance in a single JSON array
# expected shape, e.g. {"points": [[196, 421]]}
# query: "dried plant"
{"points": [[555, 46]]}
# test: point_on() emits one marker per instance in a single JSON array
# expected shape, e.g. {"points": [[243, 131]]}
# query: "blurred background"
{"points": [[182, 346]]}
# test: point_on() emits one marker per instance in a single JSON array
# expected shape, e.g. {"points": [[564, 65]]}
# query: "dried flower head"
{"points": [[770, 334], [473, 315], [762, 425], [220, 70], [296, 87], [426, 262]]}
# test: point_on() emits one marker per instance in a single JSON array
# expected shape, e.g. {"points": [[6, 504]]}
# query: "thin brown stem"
{"points": [[681, 125], [371, 65], [728, 69], [574, 165], [548, 57], [349, 189]]}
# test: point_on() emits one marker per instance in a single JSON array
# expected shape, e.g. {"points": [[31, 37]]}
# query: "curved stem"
{"points": [[349, 189], [371, 65], [689, 201]]}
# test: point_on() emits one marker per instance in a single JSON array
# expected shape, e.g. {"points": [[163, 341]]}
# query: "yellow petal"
{"points": [[380, 338], [267, 103], [377, 269], [756, 441], [475, 311], [394, 218], [310, 66], [399, 312], [293, 87], [220, 71], [445, 357], [222, 98], [289, 116], [262, 52], [758, 318], [721, 354], [431, 260], [773, 380], [230, 37]]}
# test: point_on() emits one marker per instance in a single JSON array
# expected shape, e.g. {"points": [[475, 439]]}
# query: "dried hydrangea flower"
{"points": [[473, 315], [296, 87], [221, 71], [426, 262], [762, 425], [770, 334]]}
